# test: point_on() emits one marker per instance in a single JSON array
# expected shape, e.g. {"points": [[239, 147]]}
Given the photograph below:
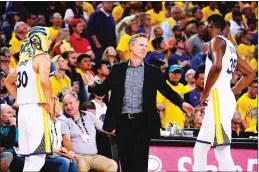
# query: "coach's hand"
{"points": [[188, 108], [89, 78], [203, 99]]}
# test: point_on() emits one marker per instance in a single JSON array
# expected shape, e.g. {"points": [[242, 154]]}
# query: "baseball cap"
{"points": [[11, 13], [177, 28], [74, 22], [174, 68]]}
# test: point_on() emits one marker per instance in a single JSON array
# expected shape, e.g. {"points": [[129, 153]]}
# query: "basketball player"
{"points": [[218, 97], [29, 84]]}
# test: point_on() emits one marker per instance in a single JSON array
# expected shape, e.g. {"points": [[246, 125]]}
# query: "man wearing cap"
{"points": [[166, 107], [80, 44], [177, 34], [236, 24]]}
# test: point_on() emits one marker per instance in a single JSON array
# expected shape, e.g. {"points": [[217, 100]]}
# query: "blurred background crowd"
{"points": [[93, 36]]}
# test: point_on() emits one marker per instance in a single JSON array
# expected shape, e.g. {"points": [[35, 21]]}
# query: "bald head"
{"points": [[57, 20], [71, 104], [20, 29]]}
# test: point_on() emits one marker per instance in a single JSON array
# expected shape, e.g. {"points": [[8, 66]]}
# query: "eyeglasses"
{"points": [[253, 86], [236, 123]]}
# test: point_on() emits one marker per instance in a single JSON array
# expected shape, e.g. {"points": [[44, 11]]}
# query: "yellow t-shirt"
{"points": [[88, 8], [156, 18], [247, 107], [150, 47], [181, 5], [53, 33], [172, 112], [253, 64], [15, 48], [123, 46], [245, 51], [59, 84], [117, 13], [206, 11], [228, 17], [81, 73]]}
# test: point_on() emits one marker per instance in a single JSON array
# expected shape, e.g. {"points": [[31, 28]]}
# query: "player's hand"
{"points": [[63, 150], [203, 99], [188, 108], [89, 78]]}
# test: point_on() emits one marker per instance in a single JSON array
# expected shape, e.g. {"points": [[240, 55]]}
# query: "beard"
{"points": [[205, 36]]}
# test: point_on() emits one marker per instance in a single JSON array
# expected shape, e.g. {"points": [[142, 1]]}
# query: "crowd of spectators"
{"points": [[92, 37]]}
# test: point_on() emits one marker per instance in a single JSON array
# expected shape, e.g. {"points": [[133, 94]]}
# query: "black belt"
{"points": [[131, 115]]}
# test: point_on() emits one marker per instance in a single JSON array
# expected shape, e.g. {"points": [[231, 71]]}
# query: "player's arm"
{"points": [[217, 48], [44, 71], [247, 78], [10, 83]]}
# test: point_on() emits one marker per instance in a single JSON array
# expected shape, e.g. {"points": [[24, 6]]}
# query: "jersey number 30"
{"points": [[22, 79], [232, 66]]}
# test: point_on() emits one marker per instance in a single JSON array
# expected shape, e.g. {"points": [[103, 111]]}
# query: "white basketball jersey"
{"points": [[229, 62], [29, 88]]}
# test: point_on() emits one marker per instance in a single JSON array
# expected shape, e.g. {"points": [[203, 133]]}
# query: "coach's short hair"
{"points": [[134, 38]]}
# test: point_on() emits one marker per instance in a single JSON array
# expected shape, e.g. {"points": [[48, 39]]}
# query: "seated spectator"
{"points": [[195, 120], [209, 10], [8, 26], [191, 28], [253, 61], [196, 42], [8, 129], [156, 13], [145, 24], [41, 20], [57, 22], [80, 44], [84, 65], [235, 7], [200, 57], [20, 31], [110, 55], [61, 43], [123, 46], [167, 108], [180, 58], [88, 107], [79, 132], [193, 97], [60, 82], [197, 13], [30, 20], [4, 62], [157, 32], [177, 34], [60, 156], [235, 124], [247, 106], [189, 78], [6, 159], [76, 11], [4, 93], [159, 53], [228, 35], [245, 49], [77, 82], [100, 107], [236, 23]]}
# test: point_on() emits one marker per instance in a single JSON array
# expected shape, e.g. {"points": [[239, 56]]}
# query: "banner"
{"points": [[166, 158]]}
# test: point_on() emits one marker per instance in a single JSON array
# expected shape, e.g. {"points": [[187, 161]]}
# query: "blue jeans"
{"points": [[64, 164]]}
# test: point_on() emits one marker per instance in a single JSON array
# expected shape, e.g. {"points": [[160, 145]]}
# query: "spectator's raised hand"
{"points": [[89, 78]]}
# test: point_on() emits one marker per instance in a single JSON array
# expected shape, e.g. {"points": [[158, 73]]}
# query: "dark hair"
{"points": [[87, 105], [126, 12], [156, 42], [99, 65], [200, 70], [66, 54], [195, 8], [218, 21], [81, 57], [255, 81]]}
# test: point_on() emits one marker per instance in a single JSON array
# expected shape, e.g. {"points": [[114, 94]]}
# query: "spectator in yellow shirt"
{"points": [[247, 106], [245, 49], [57, 24], [253, 62], [158, 32], [60, 82], [118, 11], [20, 31], [170, 113], [156, 13], [235, 7], [209, 10], [123, 46]]}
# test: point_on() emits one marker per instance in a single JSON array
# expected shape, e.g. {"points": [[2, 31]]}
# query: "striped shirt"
{"points": [[133, 97]]}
